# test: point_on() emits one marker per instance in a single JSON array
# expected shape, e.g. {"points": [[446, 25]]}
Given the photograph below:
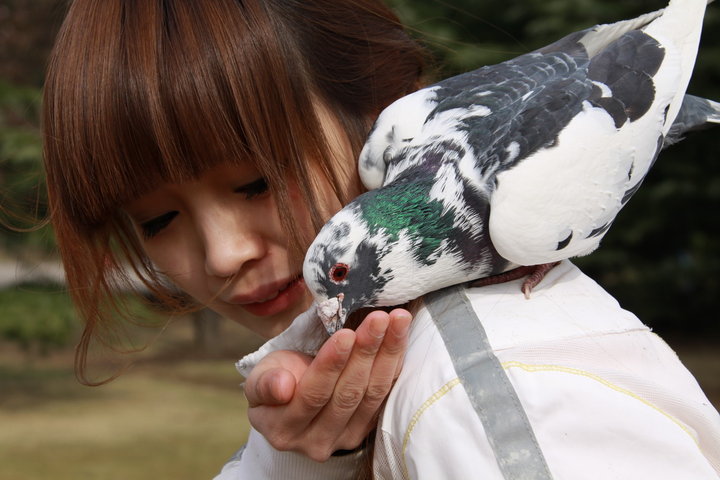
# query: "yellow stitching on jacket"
{"points": [[416, 417], [575, 371]]}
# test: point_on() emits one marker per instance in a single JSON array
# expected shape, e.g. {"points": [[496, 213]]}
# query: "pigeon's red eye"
{"points": [[338, 272]]}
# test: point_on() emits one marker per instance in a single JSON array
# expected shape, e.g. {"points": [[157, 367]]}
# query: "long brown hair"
{"points": [[140, 92]]}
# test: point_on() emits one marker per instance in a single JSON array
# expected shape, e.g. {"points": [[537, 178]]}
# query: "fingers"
{"points": [[318, 383], [352, 384], [367, 378], [388, 361], [385, 369], [291, 426], [333, 394], [339, 395], [395, 344]]}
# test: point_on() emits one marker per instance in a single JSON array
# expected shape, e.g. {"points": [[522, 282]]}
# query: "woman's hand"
{"points": [[316, 406]]}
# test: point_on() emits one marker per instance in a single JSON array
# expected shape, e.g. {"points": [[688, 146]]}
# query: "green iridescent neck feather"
{"points": [[407, 208]]}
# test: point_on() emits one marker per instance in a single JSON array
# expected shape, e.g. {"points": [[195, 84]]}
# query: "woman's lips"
{"points": [[277, 301]]}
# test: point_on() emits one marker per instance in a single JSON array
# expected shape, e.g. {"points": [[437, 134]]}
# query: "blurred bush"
{"points": [[38, 318], [27, 31], [22, 190]]}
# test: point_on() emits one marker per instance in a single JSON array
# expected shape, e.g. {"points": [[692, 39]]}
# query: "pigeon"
{"points": [[507, 168]]}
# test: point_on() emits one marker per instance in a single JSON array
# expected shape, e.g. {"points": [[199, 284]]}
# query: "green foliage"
{"points": [[466, 34], [41, 317], [28, 29], [22, 190], [38, 318], [19, 135]]}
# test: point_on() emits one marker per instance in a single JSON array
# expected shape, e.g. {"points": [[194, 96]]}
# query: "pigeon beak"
{"points": [[332, 314]]}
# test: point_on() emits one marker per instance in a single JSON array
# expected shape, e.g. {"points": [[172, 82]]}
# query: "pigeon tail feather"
{"points": [[695, 114], [598, 37], [681, 23], [714, 116]]}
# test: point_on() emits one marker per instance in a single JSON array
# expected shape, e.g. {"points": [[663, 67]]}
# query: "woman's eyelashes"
{"points": [[152, 227], [253, 189]]}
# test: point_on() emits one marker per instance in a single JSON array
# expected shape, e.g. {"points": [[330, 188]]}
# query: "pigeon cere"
{"points": [[504, 170]]}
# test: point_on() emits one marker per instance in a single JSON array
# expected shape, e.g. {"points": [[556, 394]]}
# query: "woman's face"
{"points": [[220, 240]]}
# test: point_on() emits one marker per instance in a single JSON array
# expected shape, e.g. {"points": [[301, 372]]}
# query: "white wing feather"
{"points": [[395, 127]]}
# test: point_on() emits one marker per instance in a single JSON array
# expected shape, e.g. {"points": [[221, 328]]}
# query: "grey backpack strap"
{"points": [[492, 395]]}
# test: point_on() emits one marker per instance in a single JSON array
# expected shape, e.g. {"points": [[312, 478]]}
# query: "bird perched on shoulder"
{"points": [[523, 163]]}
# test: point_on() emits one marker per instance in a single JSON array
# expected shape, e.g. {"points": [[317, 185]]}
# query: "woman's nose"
{"points": [[229, 245]]}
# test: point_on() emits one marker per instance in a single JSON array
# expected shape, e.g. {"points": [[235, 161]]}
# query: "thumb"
{"points": [[275, 386]]}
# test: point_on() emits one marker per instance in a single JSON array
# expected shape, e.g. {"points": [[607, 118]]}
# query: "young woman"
{"points": [[205, 142]]}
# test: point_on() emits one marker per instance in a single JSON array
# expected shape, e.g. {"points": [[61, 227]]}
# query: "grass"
{"points": [[166, 417], [142, 426]]}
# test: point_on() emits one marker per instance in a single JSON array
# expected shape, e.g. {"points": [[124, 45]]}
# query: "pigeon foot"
{"points": [[534, 274], [538, 273]]}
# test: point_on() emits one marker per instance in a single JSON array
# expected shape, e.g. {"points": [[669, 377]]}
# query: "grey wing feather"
{"points": [[527, 101], [695, 114]]}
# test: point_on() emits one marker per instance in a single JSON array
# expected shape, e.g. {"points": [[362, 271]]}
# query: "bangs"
{"points": [[161, 92]]}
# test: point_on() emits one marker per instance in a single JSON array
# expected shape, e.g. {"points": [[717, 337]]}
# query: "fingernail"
{"points": [[343, 345], [402, 329], [379, 327]]}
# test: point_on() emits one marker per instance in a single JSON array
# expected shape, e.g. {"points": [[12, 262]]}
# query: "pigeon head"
{"points": [[383, 249], [343, 269]]}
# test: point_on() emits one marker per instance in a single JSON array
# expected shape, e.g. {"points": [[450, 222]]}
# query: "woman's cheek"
{"points": [[301, 213], [176, 258]]}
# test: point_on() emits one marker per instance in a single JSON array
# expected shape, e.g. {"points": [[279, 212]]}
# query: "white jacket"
{"points": [[606, 398]]}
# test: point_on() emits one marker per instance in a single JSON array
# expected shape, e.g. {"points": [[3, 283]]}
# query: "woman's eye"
{"points": [[154, 226], [253, 189]]}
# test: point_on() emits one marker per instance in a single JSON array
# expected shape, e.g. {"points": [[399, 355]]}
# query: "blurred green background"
{"points": [[178, 412]]}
